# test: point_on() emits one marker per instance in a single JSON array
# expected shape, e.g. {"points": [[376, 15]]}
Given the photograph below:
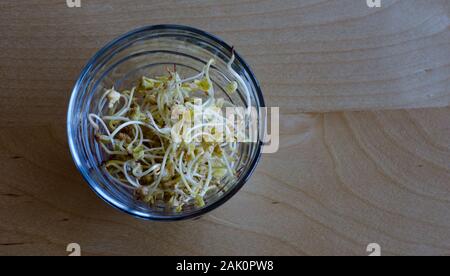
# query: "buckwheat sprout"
{"points": [[227, 163], [137, 170], [121, 146], [119, 128], [126, 108], [208, 180], [116, 118], [193, 162], [164, 131], [141, 137], [127, 176], [102, 101], [191, 139], [180, 171], [154, 149], [211, 89], [196, 77], [96, 126], [150, 170], [241, 82], [136, 137], [199, 126], [112, 152], [163, 165], [152, 156], [146, 133], [188, 175]]}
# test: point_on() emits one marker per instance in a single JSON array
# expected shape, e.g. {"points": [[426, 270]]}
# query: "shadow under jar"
{"points": [[150, 51]]}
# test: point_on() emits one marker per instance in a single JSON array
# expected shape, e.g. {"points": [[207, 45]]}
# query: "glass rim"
{"points": [[94, 184]]}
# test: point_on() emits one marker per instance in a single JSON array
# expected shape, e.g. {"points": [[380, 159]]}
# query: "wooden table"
{"points": [[348, 172]]}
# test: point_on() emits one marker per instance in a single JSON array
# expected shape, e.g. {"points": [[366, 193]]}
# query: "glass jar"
{"points": [[149, 51]]}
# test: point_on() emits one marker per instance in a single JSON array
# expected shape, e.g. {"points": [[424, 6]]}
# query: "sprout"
{"points": [[138, 153], [148, 83], [203, 84], [113, 97], [154, 149], [231, 87], [219, 173], [199, 202]]}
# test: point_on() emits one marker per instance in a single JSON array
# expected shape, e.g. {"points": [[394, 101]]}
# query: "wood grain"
{"points": [[312, 55], [340, 181]]}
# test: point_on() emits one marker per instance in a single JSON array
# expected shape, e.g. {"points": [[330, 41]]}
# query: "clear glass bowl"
{"points": [[149, 51]]}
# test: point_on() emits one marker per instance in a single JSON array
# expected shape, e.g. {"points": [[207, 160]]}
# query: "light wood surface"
{"points": [[341, 179]]}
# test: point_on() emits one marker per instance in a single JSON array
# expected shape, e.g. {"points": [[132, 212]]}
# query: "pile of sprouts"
{"points": [[164, 138]]}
